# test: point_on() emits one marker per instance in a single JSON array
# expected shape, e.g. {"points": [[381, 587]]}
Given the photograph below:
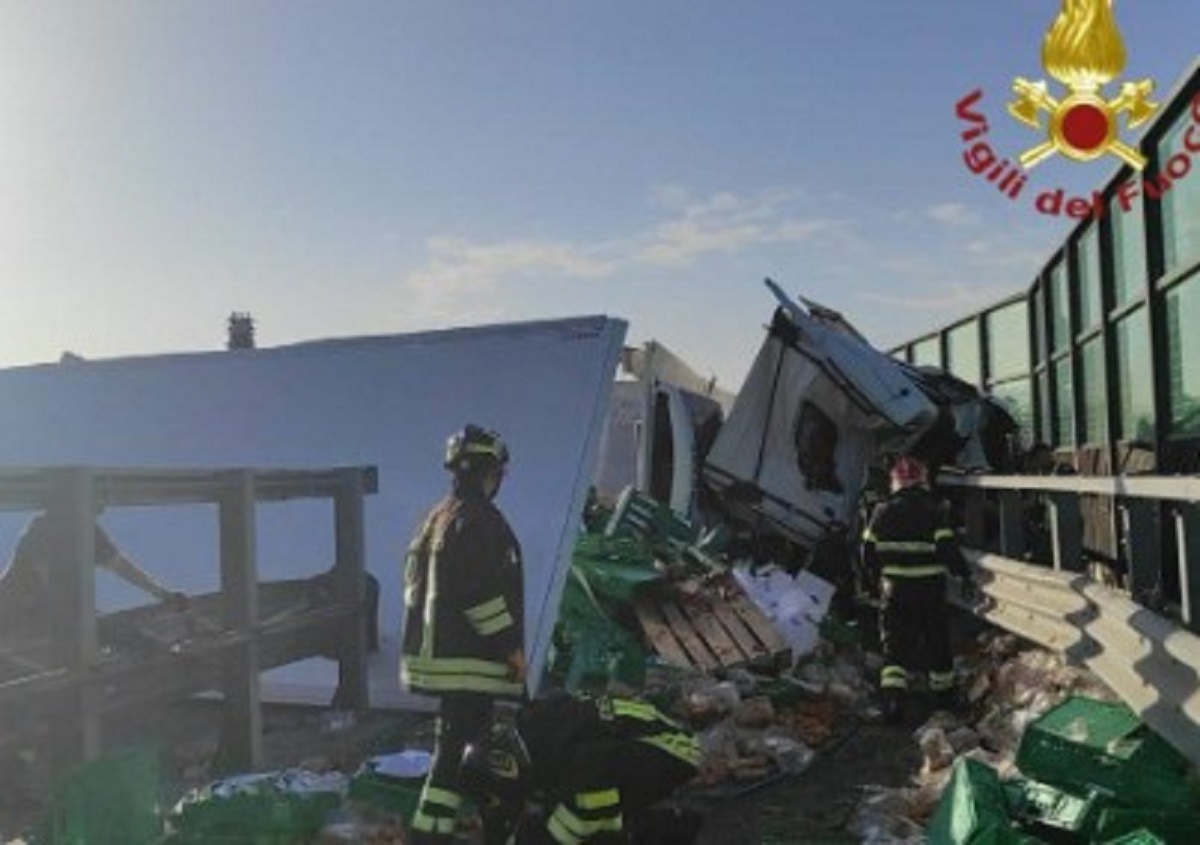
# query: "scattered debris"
{"points": [[760, 667], [1048, 753], [292, 803]]}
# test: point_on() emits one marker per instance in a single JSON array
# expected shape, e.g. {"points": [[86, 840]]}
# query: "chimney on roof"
{"points": [[241, 331]]}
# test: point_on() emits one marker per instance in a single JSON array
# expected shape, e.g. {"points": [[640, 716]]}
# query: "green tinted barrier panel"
{"points": [[1085, 743], [973, 810], [111, 799]]}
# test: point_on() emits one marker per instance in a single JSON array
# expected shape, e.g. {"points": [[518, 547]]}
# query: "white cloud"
{"points": [[682, 241], [1006, 252], [901, 284], [459, 276], [952, 214], [957, 299], [458, 270], [728, 223]]}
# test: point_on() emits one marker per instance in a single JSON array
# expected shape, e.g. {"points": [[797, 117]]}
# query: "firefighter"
{"points": [[577, 769], [464, 618], [910, 547]]}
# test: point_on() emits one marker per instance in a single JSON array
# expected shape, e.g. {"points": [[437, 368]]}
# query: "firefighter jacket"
{"points": [[551, 726], [463, 599], [601, 760], [909, 536]]}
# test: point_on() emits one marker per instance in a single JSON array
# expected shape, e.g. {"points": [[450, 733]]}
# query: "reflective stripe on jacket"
{"points": [[908, 536], [550, 725]]}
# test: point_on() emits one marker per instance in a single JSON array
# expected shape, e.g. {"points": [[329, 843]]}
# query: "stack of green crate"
{"points": [[378, 784], [1103, 750], [1089, 745], [1181, 825], [1095, 774], [113, 799], [638, 514], [275, 808], [593, 641], [1045, 809], [1141, 836], [974, 810]]}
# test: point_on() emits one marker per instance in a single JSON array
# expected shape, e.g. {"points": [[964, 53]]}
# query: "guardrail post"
{"points": [[1143, 542], [1187, 532], [975, 518], [241, 736], [1013, 542], [71, 605], [350, 589], [1066, 532]]}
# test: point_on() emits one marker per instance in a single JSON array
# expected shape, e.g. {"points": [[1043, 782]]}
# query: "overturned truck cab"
{"points": [[819, 408]]}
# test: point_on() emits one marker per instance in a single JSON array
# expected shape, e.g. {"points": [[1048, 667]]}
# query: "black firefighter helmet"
{"points": [[497, 772], [475, 448]]}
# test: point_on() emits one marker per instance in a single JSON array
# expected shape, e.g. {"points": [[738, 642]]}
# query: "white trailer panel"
{"points": [[384, 401]]}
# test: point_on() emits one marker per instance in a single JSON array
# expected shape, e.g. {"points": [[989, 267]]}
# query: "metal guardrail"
{"points": [[1158, 522], [1181, 488], [1152, 663]]}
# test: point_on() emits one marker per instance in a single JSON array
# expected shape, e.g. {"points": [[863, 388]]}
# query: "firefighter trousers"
{"points": [[463, 718], [914, 632]]}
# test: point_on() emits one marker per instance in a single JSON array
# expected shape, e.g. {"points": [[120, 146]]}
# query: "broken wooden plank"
{"points": [[659, 633], [699, 612], [757, 622], [682, 629], [754, 651]]}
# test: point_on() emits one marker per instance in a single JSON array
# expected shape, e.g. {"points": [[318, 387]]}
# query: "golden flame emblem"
{"points": [[1083, 50]]}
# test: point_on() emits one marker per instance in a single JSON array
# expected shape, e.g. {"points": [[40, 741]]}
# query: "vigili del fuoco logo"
{"points": [[1083, 50]]}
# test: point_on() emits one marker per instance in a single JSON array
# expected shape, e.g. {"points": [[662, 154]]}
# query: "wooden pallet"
{"points": [[710, 629]]}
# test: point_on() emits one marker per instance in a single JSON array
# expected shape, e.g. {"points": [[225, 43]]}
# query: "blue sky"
{"points": [[343, 167]]}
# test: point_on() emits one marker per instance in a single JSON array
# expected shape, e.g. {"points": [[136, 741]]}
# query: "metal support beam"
{"points": [[1013, 541], [70, 686], [241, 736], [1144, 546], [975, 518], [1066, 532], [1187, 532], [71, 513], [350, 589]]}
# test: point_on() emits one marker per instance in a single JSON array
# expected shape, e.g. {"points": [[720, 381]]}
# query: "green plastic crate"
{"points": [[112, 799], [973, 810], [1172, 826], [1141, 836], [290, 803], [643, 516], [391, 794], [1044, 806], [209, 838], [1087, 744]]}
